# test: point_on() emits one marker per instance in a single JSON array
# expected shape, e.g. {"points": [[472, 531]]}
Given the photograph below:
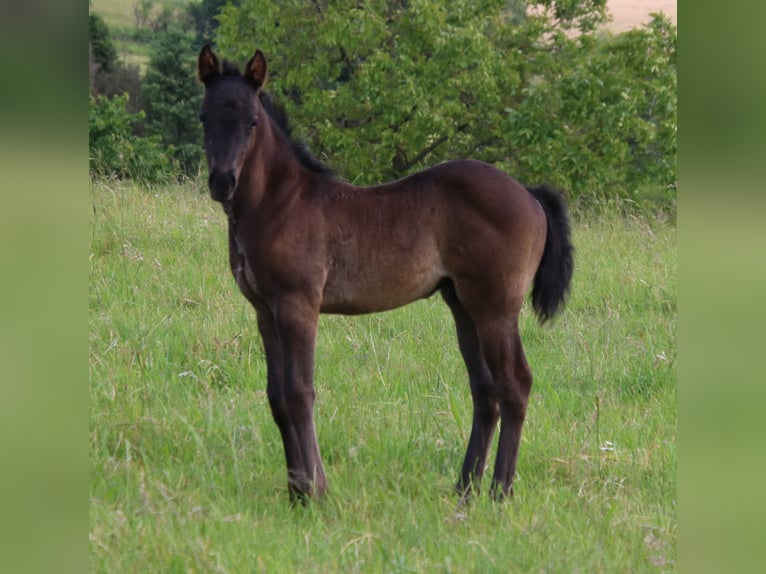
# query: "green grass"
{"points": [[187, 469]]}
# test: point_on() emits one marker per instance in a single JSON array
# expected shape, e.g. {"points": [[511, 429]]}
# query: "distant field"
{"points": [[628, 14], [120, 12], [187, 470], [119, 16]]}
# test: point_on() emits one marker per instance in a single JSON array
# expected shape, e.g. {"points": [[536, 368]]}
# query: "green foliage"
{"points": [[163, 105], [602, 121], [164, 19], [382, 88], [101, 45], [142, 10], [385, 88], [114, 150], [107, 75], [581, 15], [172, 99], [203, 15]]}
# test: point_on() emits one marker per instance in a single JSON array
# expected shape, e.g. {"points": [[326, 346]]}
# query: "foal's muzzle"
{"points": [[221, 185]]}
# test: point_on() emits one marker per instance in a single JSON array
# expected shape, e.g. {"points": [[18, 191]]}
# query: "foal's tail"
{"points": [[554, 274]]}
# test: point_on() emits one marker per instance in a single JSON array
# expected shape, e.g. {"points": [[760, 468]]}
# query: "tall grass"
{"points": [[187, 468]]}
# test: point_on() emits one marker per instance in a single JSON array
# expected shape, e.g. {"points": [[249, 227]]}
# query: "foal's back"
{"points": [[390, 244]]}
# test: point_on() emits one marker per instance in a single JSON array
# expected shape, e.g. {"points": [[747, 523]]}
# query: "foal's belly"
{"points": [[373, 290]]}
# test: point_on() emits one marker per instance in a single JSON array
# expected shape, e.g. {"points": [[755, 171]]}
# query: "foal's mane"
{"points": [[278, 114]]}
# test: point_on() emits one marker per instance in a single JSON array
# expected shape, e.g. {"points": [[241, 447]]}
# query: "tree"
{"points": [[108, 76], [142, 10], [163, 20], [172, 98], [385, 88], [101, 45], [203, 15]]}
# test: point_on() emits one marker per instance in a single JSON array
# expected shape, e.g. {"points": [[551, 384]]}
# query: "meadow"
{"points": [[187, 470]]}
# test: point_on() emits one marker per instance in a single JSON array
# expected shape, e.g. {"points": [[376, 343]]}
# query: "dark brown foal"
{"points": [[302, 243]]}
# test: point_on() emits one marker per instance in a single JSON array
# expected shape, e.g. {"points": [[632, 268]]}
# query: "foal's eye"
{"points": [[252, 123]]}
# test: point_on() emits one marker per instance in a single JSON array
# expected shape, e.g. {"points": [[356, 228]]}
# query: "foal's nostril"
{"points": [[221, 185]]}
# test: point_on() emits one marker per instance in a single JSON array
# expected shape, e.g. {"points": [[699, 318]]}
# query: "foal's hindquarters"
{"points": [[491, 265]]}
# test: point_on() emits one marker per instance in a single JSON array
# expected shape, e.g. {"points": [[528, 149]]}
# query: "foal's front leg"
{"points": [[291, 394], [275, 383]]}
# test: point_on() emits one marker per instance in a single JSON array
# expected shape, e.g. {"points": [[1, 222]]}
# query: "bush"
{"points": [[603, 123], [115, 152]]}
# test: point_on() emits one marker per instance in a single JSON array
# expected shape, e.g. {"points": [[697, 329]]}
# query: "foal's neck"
{"points": [[271, 171]]}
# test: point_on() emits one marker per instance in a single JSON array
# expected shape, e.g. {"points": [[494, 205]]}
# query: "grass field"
{"points": [[187, 469]]}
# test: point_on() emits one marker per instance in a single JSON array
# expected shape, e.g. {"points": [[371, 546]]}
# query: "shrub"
{"points": [[114, 151], [603, 122]]}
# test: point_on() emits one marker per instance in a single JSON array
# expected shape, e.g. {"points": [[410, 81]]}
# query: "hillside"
{"points": [[132, 28]]}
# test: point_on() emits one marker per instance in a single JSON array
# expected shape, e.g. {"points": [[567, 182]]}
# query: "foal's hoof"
{"points": [[500, 494], [465, 492], [468, 491], [299, 494], [303, 493], [299, 498]]}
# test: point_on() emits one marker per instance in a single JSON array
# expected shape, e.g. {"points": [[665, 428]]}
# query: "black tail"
{"points": [[554, 275]]}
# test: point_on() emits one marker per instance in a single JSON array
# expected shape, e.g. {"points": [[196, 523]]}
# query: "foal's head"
{"points": [[230, 113]]}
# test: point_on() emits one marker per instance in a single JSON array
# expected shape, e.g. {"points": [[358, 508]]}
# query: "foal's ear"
{"points": [[256, 71], [208, 66]]}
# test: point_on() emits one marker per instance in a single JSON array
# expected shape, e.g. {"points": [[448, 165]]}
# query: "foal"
{"points": [[303, 243]]}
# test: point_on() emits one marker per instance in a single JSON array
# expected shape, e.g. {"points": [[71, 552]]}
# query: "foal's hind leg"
{"points": [[485, 408], [512, 382]]}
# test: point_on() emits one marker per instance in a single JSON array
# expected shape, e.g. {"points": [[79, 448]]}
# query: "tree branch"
{"points": [[343, 122], [402, 164], [347, 61]]}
